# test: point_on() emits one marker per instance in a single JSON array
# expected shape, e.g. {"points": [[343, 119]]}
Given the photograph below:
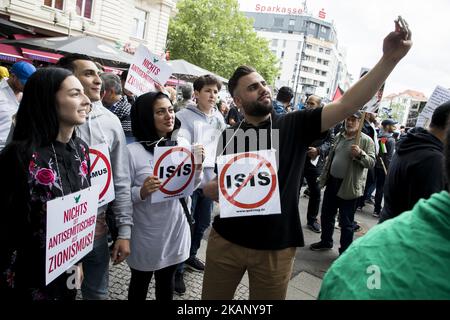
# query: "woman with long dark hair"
{"points": [[44, 161], [160, 238]]}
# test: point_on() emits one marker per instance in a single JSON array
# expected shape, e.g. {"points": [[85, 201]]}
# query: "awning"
{"points": [[113, 70], [41, 55], [9, 53], [175, 82]]}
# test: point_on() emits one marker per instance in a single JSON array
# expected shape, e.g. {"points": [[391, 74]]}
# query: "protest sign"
{"points": [[146, 69], [101, 173], [439, 96], [248, 184], [174, 167], [70, 230]]}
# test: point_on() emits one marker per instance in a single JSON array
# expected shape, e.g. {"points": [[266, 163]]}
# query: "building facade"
{"points": [[310, 59], [123, 23], [404, 107]]}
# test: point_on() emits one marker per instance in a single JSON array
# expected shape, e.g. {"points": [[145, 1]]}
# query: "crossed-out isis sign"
{"points": [[248, 184], [174, 167]]}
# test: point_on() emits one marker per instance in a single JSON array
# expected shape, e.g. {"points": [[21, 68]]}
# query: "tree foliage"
{"points": [[215, 35]]}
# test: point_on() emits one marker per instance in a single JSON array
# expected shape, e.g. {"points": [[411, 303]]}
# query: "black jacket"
{"points": [[324, 146], [416, 171], [389, 142]]}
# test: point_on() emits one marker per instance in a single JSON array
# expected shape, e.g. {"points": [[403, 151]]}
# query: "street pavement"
{"points": [[309, 267]]}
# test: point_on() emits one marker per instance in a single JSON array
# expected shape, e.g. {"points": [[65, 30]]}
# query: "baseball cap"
{"points": [[388, 122], [22, 70]]}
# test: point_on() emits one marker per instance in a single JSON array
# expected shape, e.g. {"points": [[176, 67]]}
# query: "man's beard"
{"points": [[257, 109]]}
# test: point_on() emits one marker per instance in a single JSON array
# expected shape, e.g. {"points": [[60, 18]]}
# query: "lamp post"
{"points": [[302, 56]]}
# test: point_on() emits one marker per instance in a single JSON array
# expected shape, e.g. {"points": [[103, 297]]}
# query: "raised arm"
{"points": [[396, 45]]}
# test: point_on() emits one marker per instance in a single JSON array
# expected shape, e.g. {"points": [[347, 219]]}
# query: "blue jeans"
{"points": [[201, 209], [347, 208], [96, 271]]}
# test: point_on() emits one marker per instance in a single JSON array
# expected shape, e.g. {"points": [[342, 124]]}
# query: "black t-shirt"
{"points": [[297, 130]]}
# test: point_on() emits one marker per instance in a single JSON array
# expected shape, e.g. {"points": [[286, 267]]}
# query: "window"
{"points": [[275, 43], [328, 51], [308, 46], [57, 4], [324, 73], [325, 62], [323, 29], [319, 60], [317, 71], [321, 50], [282, 54], [305, 69], [322, 84], [291, 22], [312, 26], [84, 8], [139, 24], [316, 83], [277, 22]]}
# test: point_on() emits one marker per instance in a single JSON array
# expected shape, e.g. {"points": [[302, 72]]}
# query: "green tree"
{"points": [[215, 35]]}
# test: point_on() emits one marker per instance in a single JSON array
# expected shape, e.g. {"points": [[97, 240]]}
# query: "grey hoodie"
{"points": [[103, 126], [196, 127]]}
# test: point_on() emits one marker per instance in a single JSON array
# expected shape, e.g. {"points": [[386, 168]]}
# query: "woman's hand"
{"points": [[151, 184]]}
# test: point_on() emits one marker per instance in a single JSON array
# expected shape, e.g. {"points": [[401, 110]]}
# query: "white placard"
{"points": [[248, 184], [70, 230], [146, 69], [101, 173], [439, 96], [207, 136], [174, 167]]}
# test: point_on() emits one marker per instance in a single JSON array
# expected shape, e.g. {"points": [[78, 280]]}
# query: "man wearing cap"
{"points": [[344, 176], [386, 149], [10, 95]]}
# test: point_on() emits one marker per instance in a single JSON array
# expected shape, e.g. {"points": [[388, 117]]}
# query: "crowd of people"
{"points": [[52, 117]]}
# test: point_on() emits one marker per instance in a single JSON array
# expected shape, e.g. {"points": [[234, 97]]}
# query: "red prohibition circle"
{"points": [[166, 154], [108, 167], [247, 205]]}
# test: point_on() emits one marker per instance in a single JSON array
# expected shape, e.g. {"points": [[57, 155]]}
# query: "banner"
{"points": [[174, 167], [101, 173], [439, 96], [146, 69], [248, 184], [70, 230]]}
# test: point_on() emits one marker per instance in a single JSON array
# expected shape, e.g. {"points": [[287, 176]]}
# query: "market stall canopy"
{"points": [[8, 28], [90, 46], [187, 71]]}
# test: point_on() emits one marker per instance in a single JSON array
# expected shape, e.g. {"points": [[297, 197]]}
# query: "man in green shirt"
{"points": [[403, 258]]}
